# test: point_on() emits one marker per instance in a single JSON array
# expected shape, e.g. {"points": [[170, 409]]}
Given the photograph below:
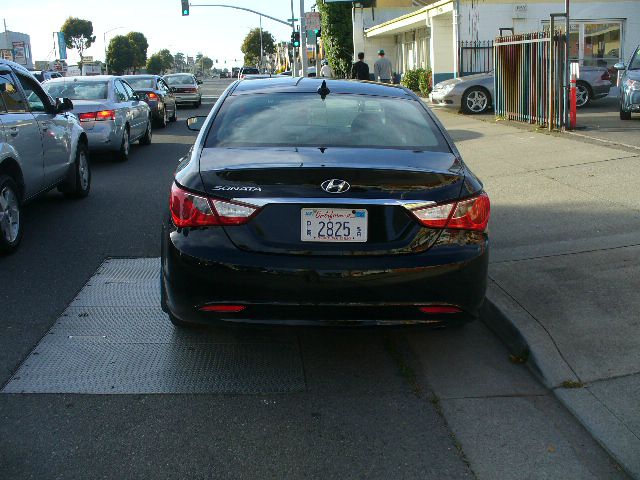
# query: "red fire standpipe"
{"points": [[574, 101]]}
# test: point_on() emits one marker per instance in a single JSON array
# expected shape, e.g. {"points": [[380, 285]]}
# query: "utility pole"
{"points": [[303, 40], [294, 67], [261, 49]]}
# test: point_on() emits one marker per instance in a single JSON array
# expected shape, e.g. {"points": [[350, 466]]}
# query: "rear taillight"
{"points": [[606, 75], [190, 210], [437, 309], [222, 308], [242, 75], [152, 96], [470, 214], [99, 116]]}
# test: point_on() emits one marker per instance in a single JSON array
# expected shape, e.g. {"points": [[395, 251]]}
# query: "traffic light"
{"points": [[185, 8], [318, 32], [295, 39]]}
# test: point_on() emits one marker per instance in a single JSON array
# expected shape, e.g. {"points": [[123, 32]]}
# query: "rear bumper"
{"points": [[187, 97], [203, 268], [104, 136]]}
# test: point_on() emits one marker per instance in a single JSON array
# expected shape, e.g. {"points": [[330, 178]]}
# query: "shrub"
{"points": [[418, 80]]}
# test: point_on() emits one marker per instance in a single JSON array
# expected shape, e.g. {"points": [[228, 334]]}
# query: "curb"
{"points": [[528, 340]]}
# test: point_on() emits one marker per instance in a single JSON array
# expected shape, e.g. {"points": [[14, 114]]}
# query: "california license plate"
{"points": [[333, 225]]}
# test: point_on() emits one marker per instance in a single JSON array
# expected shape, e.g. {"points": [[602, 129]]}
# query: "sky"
{"points": [[216, 32]]}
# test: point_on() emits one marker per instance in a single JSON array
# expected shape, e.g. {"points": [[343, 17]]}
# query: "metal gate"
{"points": [[475, 57], [529, 73]]}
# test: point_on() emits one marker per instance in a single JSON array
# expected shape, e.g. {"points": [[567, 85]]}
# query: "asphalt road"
{"points": [[378, 403]]}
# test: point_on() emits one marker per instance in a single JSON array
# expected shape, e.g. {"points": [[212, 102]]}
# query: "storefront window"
{"points": [[593, 44], [601, 44]]}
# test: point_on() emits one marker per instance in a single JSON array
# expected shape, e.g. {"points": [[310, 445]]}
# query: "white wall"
{"points": [[364, 18], [480, 19]]}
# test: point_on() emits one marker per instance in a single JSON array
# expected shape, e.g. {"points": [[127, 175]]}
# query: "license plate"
{"points": [[333, 225]]}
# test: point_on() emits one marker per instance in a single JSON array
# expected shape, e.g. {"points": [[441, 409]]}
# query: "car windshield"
{"points": [[635, 61], [340, 120], [77, 90], [180, 80], [143, 82]]}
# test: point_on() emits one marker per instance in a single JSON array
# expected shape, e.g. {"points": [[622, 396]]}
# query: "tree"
{"points": [[78, 34], [206, 63], [140, 46], [337, 36], [155, 64], [120, 54], [179, 61], [251, 46], [167, 59]]}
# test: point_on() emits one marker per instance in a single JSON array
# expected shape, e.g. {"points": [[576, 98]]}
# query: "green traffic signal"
{"points": [[185, 8]]}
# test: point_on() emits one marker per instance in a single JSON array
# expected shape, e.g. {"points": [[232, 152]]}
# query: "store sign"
{"points": [[87, 59], [520, 10], [19, 55], [312, 20], [6, 54]]}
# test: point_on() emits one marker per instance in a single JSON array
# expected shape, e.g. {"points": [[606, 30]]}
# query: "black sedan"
{"points": [[305, 201], [157, 94]]}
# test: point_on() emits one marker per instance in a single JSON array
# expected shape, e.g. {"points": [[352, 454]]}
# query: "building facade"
{"points": [[601, 32], [16, 46]]}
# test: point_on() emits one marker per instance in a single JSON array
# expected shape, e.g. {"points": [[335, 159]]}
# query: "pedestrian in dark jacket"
{"points": [[360, 70]]}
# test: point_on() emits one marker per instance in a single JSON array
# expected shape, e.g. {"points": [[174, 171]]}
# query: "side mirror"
{"points": [[195, 123], [620, 66], [173, 89], [199, 82], [135, 97], [63, 105]]}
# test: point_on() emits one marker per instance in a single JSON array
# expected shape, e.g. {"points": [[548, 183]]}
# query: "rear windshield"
{"points": [[141, 82], [340, 120], [77, 89], [180, 80], [250, 71]]}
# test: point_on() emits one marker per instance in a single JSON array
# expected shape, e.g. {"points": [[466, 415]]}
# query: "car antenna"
{"points": [[323, 90]]}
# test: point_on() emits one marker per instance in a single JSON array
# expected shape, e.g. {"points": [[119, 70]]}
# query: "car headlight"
{"points": [[633, 84], [445, 89]]}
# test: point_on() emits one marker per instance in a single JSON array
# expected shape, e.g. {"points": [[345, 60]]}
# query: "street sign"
{"points": [[312, 20], [87, 59]]}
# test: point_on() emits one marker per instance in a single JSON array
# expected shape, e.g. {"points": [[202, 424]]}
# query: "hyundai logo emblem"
{"points": [[335, 185]]}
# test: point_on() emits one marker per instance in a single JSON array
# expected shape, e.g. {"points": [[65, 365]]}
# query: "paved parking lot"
{"points": [[81, 323]]}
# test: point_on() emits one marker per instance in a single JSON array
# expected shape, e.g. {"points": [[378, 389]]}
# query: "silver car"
{"points": [[474, 93], [629, 86], [185, 88], [42, 146], [109, 110]]}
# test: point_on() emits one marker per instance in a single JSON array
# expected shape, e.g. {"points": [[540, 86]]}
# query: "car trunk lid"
{"points": [[287, 183]]}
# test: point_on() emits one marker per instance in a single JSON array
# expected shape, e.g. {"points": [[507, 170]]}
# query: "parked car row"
{"points": [[48, 130], [475, 93]]}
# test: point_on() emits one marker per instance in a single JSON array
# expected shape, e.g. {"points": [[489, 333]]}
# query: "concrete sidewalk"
{"points": [[565, 233]]}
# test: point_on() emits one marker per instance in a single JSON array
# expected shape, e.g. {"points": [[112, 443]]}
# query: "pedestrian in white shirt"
{"points": [[325, 71], [382, 68]]}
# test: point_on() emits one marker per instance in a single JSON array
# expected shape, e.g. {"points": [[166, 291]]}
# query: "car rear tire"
{"points": [[10, 212], [624, 115], [163, 120], [146, 138], [475, 100], [583, 95], [82, 175], [125, 146]]}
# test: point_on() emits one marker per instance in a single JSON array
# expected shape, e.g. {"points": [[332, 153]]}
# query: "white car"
{"points": [[42, 146]]}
